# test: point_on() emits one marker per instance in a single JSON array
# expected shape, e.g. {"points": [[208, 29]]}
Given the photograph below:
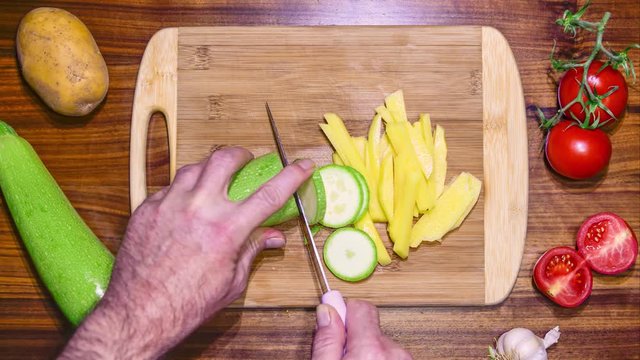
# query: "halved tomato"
{"points": [[563, 276], [607, 243]]}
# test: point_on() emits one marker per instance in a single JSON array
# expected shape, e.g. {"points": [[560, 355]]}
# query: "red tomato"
{"points": [[575, 152], [600, 82], [563, 276], [607, 243]]}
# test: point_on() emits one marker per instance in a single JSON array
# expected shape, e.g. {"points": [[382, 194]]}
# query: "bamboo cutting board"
{"points": [[211, 83]]}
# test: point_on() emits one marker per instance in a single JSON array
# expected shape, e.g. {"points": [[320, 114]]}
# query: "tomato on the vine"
{"points": [[607, 243], [563, 276], [601, 80], [575, 152]]}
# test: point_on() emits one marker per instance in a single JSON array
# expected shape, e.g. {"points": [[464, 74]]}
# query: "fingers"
{"points": [[186, 177], [260, 239], [330, 337], [364, 335], [219, 168], [274, 194], [364, 322], [158, 195]]}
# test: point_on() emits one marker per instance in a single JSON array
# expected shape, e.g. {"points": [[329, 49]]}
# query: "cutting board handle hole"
{"points": [[157, 153]]}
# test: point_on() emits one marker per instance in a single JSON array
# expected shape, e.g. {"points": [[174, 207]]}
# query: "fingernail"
{"points": [[274, 243], [306, 164], [323, 317]]}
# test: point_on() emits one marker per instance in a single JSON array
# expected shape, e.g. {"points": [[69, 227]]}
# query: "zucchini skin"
{"points": [[249, 179], [71, 261]]}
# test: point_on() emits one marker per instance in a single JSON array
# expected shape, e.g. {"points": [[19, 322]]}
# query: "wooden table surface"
{"points": [[90, 159]]}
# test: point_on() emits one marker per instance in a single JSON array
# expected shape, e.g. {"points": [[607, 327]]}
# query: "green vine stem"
{"points": [[586, 97]]}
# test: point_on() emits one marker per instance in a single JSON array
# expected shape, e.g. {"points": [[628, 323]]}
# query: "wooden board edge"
{"points": [[506, 168], [156, 91]]}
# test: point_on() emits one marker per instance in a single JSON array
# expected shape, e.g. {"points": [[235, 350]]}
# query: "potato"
{"points": [[61, 62]]}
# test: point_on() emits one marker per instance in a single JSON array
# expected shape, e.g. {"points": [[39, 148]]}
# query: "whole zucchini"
{"points": [[71, 261]]}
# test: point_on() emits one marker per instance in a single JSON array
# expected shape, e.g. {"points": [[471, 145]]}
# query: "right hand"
{"points": [[363, 337]]}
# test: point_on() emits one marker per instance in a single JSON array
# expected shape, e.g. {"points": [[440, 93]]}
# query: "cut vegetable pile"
{"points": [[395, 174], [389, 177]]}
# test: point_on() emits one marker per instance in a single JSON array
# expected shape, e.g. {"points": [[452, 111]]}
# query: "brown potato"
{"points": [[60, 60]]}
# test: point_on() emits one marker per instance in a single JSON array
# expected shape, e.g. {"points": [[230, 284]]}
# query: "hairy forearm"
{"points": [[127, 326], [111, 333]]}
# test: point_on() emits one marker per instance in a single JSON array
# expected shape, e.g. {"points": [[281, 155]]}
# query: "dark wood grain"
{"points": [[89, 158]]}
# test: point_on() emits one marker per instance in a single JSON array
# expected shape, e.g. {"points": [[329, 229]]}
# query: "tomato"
{"points": [[575, 152], [607, 243], [600, 83], [563, 276]]}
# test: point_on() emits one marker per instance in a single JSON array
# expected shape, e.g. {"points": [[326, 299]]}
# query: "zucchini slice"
{"points": [[350, 254], [344, 194]]}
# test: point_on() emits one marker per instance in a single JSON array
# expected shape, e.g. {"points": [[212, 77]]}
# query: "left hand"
{"points": [[186, 254]]}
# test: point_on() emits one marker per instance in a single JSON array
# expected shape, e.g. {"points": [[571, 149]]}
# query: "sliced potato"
{"points": [[374, 139], [361, 144], [395, 104], [455, 202], [385, 190], [373, 169], [350, 153], [366, 224], [403, 219], [439, 159], [385, 114], [427, 132], [339, 137], [420, 148], [337, 159]]}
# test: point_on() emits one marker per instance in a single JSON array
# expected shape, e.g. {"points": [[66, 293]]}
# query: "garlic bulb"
{"points": [[523, 344]]}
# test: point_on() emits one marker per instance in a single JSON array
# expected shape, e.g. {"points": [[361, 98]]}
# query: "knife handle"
{"points": [[335, 299]]}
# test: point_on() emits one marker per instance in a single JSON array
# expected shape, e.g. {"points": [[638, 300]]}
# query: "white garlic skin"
{"points": [[523, 343]]}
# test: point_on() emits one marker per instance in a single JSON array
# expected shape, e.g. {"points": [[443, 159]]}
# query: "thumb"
{"points": [[260, 239], [328, 342]]}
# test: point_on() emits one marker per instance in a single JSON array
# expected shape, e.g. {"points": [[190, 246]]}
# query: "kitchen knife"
{"points": [[329, 297]]}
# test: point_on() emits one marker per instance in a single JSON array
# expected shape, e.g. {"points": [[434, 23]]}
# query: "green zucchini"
{"points": [[350, 254], [71, 261], [259, 170]]}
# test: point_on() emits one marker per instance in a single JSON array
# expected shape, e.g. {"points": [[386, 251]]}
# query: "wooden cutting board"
{"points": [[211, 83]]}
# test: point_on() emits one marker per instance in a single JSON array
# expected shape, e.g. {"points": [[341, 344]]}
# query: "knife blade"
{"points": [[330, 297]]}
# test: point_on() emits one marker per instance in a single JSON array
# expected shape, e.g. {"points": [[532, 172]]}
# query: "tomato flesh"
{"points": [[575, 152], [607, 243], [563, 276], [600, 82]]}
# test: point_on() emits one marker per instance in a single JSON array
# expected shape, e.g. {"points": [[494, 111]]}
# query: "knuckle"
{"points": [[158, 195], [364, 308], [187, 170], [187, 174], [271, 196], [298, 172], [147, 210], [230, 154]]}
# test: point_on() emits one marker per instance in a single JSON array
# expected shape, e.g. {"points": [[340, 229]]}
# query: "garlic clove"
{"points": [[523, 344], [551, 337]]}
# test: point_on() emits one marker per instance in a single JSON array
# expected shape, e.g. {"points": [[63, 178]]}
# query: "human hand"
{"points": [[186, 254], [363, 337]]}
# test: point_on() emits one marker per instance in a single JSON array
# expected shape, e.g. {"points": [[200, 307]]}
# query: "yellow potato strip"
{"points": [[366, 224]]}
